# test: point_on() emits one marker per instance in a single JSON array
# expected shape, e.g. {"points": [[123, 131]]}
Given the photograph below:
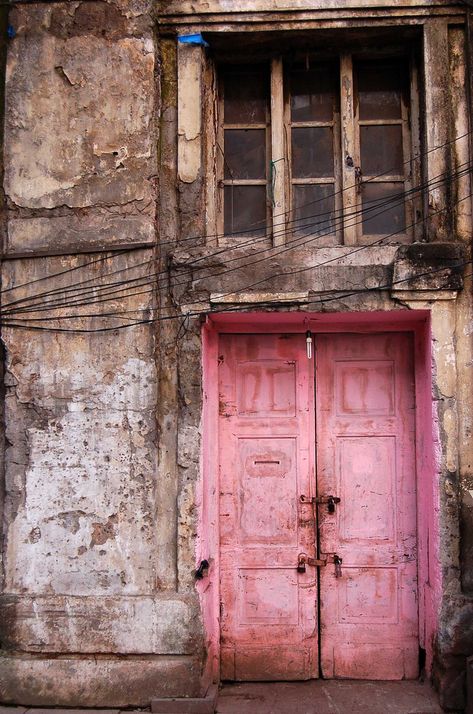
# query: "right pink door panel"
{"points": [[365, 457]]}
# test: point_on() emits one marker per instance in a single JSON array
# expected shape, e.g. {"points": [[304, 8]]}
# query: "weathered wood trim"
{"points": [[349, 158], [278, 152], [211, 7], [189, 112], [460, 126], [436, 82], [322, 18], [212, 155]]}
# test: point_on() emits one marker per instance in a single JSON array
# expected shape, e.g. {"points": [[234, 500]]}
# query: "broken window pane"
{"points": [[246, 96], [379, 90], [383, 208], [245, 210], [314, 208], [245, 154], [312, 152], [381, 150], [313, 94]]}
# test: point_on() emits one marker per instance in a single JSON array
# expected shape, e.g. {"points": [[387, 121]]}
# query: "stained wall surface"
{"points": [[110, 218]]}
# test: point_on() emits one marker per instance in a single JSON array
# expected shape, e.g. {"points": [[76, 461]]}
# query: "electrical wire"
{"points": [[338, 296], [117, 294], [253, 239], [150, 320], [396, 198]]}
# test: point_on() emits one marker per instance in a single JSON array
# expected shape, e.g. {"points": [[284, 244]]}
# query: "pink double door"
{"points": [[318, 572]]}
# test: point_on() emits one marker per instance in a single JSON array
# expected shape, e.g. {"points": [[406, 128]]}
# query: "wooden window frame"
{"points": [[347, 157], [222, 181]]}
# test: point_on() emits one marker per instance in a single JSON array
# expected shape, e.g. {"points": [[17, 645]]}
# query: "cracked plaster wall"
{"points": [[103, 431], [445, 114], [91, 611]]}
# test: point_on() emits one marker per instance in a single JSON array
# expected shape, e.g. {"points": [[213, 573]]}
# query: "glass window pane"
{"points": [[245, 210], [312, 152], [246, 96], [379, 90], [314, 208], [381, 150], [383, 209], [313, 94], [245, 154]]}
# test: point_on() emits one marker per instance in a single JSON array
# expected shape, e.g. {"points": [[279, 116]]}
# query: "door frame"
{"points": [[427, 455]]}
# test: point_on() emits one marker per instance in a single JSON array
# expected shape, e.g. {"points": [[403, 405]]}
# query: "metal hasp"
{"points": [[331, 501], [338, 566], [304, 560]]}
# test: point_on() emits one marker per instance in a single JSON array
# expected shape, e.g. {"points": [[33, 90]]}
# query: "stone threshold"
{"points": [[187, 705]]}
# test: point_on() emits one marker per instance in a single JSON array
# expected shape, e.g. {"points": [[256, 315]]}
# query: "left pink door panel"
{"points": [[268, 609]]}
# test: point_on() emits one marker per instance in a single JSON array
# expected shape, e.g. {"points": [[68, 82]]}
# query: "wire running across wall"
{"points": [[16, 322], [77, 296], [199, 239]]}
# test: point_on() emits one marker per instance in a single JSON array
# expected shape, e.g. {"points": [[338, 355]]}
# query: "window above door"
{"points": [[318, 149]]}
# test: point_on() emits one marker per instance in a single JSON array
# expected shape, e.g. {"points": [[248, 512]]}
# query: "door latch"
{"points": [[338, 565], [331, 501], [304, 560]]}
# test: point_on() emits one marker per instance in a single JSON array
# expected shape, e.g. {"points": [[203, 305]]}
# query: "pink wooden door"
{"points": [[365, 456], [268, 609]]}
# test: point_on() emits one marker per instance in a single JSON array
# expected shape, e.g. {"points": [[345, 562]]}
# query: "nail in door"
{"points": [[268, 609], [365, 457]]}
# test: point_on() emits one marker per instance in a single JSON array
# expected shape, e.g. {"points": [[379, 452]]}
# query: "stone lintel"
{"points": [[429, 267], [254, 298]]}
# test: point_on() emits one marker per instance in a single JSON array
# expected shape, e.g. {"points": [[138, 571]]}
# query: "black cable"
{"points": [[116, 294], [281, 249], [179, 243], [311, 267], [293, 303], [276, 250]]}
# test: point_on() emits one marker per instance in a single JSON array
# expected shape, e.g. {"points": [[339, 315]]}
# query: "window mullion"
{"points": [[349, 159], [277, 176]]}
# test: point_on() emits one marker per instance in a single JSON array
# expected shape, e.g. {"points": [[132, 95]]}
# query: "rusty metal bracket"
{"points": [[318, 500], [304, 560]]}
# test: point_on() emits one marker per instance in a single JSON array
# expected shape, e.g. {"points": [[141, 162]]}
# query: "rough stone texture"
{"points": [[429, 266], [89, 587], [127, 625], [103, 429], [79, 112], [97, 682], [81, 462], [95, 230], [328, 697]]}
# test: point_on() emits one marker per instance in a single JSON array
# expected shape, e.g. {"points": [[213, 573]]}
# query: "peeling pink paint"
{"points": [[427, 456]]}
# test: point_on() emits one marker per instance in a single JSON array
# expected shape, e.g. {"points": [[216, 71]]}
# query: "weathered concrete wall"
{"points": [[241, 277], [91, 614], [104, 495]]}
